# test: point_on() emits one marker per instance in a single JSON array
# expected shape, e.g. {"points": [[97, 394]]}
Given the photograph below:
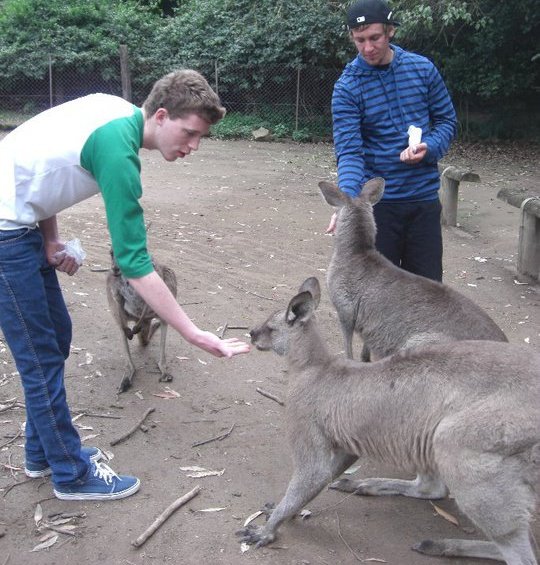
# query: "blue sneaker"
{"points": [[39, 470], [101, 483]]}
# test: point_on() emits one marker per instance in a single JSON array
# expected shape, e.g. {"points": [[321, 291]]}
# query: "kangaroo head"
{"points": [[356, 225], [274, 334]]}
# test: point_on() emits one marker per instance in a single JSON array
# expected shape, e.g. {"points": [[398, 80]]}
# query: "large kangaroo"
{"points": [[389, 307], [465, 415]]}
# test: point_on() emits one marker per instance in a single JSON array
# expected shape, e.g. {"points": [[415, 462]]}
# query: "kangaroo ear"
{"points": [[312, 286], [373, 190], [301, 308], [332, 194]]}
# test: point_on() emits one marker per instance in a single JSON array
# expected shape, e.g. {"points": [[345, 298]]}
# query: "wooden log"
{"points": [[528, 262], [528, 201], [451, 176], [516, 197]]}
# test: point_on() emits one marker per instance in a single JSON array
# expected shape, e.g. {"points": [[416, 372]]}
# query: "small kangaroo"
{"points": [[127, 306], [463, 414], [389, 307]]}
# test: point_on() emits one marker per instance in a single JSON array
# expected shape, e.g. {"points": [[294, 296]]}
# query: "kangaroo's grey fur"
{"points": [[127, 307], [389, 307], [463, 414]]}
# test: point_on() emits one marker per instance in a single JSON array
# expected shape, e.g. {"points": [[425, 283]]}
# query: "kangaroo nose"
{"points": [[252, 334]]}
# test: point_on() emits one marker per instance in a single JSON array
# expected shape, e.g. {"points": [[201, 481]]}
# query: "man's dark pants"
{"points": [[409, 235]]}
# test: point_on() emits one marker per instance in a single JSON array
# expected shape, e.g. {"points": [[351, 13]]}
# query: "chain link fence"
{"points": [[278, 96]]}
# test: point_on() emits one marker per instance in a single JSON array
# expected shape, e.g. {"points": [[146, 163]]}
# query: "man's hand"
{"points": [[332, 225], [56, 256], [413, 154]]}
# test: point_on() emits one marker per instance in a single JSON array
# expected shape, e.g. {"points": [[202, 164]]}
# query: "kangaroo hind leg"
{"points": [[494, 493]]}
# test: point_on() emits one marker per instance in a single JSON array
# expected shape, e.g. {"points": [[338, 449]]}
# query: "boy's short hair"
{"points": [[184, 92], [386, 28]]}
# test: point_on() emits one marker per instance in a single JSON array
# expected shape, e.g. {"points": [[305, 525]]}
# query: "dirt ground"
{"points": [[243, 225]]}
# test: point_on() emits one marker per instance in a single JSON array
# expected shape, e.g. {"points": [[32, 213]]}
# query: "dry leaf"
{"points": [[194, 468], [445, 515], [47, 535], [167, 394], [376, 559], [201, 474], [46, 544], [253, 516], [38, 514], [88, 360], [212, 509], [67, 529]]}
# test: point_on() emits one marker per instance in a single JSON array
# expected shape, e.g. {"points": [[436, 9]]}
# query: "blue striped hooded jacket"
{"points": [[372, 110]]}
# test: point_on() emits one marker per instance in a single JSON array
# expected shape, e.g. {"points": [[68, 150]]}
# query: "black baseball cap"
{"points": [[365, 12]]}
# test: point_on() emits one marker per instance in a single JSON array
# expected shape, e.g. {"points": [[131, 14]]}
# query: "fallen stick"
{"points": [[223, 330], [270, 396], [14, 404], [95, 415], [17, 435], [217, 438], [227, 327], [133, 429], [158, 522]]}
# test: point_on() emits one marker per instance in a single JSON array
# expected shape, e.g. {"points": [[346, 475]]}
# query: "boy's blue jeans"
{"points": [[37, 328]]}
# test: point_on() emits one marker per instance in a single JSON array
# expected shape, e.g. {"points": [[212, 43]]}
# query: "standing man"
{"points": [[54, 160], [379, 95]]}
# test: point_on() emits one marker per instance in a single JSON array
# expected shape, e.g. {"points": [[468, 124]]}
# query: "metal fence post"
{"points": [[50, 83], [297, 99], [216, 75], [124, 73]]}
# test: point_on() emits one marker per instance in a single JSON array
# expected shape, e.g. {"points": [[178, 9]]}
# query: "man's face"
{"points": [[373, 43], [179, 137]]}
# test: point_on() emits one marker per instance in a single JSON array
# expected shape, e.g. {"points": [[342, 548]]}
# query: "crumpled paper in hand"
{"points": [[74, 249]]}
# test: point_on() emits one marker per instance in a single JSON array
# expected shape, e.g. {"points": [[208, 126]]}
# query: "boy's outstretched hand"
{"points": [[220, 347]]}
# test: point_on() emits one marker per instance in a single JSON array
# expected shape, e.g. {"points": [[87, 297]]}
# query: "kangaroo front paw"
{"points": [[255, 535], [345, 485], [126, 381], [165, 378]]}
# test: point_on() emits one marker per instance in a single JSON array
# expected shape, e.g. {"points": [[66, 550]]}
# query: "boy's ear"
{"points": [[160, 115]]}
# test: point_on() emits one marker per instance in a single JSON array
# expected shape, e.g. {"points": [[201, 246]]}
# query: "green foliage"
{"points": [[77, 35], [487, 50], [236, 125], [247, 34], [484, 48]]}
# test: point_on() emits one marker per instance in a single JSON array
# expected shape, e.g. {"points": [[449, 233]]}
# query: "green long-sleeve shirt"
{"points": [[69, 153]]}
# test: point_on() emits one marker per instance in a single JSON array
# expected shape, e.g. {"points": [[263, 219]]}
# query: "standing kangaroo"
{"points": [[464, 414], [389, 307], [128, 307]]}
